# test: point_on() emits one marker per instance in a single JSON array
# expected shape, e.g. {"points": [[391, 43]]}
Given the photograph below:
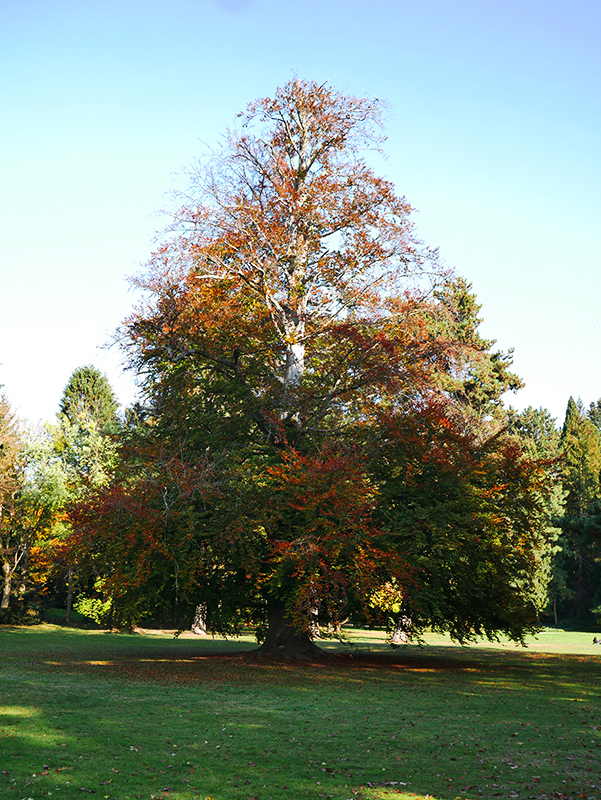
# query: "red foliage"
{"points": [[324, 538]]}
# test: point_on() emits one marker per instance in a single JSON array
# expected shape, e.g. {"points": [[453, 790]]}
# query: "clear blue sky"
{"points": [[495, 136]]}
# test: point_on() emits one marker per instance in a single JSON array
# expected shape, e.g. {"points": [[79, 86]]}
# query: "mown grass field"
{"points": [[148, 716]]}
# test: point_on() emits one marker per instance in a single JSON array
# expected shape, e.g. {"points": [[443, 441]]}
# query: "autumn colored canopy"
{"points": [[317, 399]]}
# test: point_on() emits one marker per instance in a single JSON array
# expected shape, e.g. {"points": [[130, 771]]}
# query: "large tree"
{"points": [[292, 318]]}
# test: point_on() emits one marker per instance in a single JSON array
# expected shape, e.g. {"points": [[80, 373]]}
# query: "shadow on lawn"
{"points": [[526, 669], [127, 718]]}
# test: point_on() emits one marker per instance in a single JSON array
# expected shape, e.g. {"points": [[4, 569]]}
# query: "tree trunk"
{"points": [[314, 624], [335, 628], [284, 640], [7, 584], [69, 595], [400, 634], [579, 585], [199, 623]]}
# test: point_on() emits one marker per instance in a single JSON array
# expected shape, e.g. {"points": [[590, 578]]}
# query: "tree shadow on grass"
{"points": [[527, 670], [122, 720]]}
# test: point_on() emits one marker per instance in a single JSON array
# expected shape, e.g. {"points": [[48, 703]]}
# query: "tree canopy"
{"points": [[323, 432]]}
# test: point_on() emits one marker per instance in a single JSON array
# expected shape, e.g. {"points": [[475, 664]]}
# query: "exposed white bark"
{"points": [[199, 623], [400, 635], [7, 572]]}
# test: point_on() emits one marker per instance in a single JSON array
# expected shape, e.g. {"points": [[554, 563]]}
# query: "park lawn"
{"points": [[148, 716]]}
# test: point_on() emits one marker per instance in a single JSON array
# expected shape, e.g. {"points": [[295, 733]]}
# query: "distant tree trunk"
{"points": [[314, 624], [284, 640], [199, 623], [6, 570], [69, 595], [579, 585], [400, 634], [555, 608]]}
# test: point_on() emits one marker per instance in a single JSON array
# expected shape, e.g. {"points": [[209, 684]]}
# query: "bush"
{"points": [[93, 608]]}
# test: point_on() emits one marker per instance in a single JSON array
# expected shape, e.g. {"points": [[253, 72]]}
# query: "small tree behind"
{"points": [[88, 397]]}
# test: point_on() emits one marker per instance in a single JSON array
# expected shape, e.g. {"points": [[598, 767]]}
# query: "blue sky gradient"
{"points": [[494, 136]]}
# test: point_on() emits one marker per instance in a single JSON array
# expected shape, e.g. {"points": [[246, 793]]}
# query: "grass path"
{"points": [[148, 716]]}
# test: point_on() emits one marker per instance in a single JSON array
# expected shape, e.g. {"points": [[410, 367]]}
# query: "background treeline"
{"points": [[47, 474], [44, 472]]}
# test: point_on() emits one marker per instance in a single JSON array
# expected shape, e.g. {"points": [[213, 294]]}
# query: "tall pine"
{"points": [[577, 561], [536, 429], [88, 397]]}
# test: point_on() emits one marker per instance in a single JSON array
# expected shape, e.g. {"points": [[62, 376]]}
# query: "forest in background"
{"points": [[45, 472]]}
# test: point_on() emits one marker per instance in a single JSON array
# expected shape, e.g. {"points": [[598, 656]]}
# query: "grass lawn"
{"points": [[147, 716]]}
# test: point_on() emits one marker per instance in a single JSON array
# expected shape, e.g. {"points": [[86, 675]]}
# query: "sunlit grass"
{"points": [[17, 711], [147, 715]]}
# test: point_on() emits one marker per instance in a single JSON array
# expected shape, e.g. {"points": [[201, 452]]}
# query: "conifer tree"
{"points": [[479, 375], [84, 446], [88, 397], [537, 431], [594, 413], [581, 448], [581, 520]]}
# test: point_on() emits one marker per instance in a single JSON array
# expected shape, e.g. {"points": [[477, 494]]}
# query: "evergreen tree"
{"points": [[581, 447], [537, 431], [88, 397], [478, 375], [83, 447], [87, 419], [594, 413], [577, 560]]}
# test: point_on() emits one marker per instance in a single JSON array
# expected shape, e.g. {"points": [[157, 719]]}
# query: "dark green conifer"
{"points": [[578, 558], [88, 397]]}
